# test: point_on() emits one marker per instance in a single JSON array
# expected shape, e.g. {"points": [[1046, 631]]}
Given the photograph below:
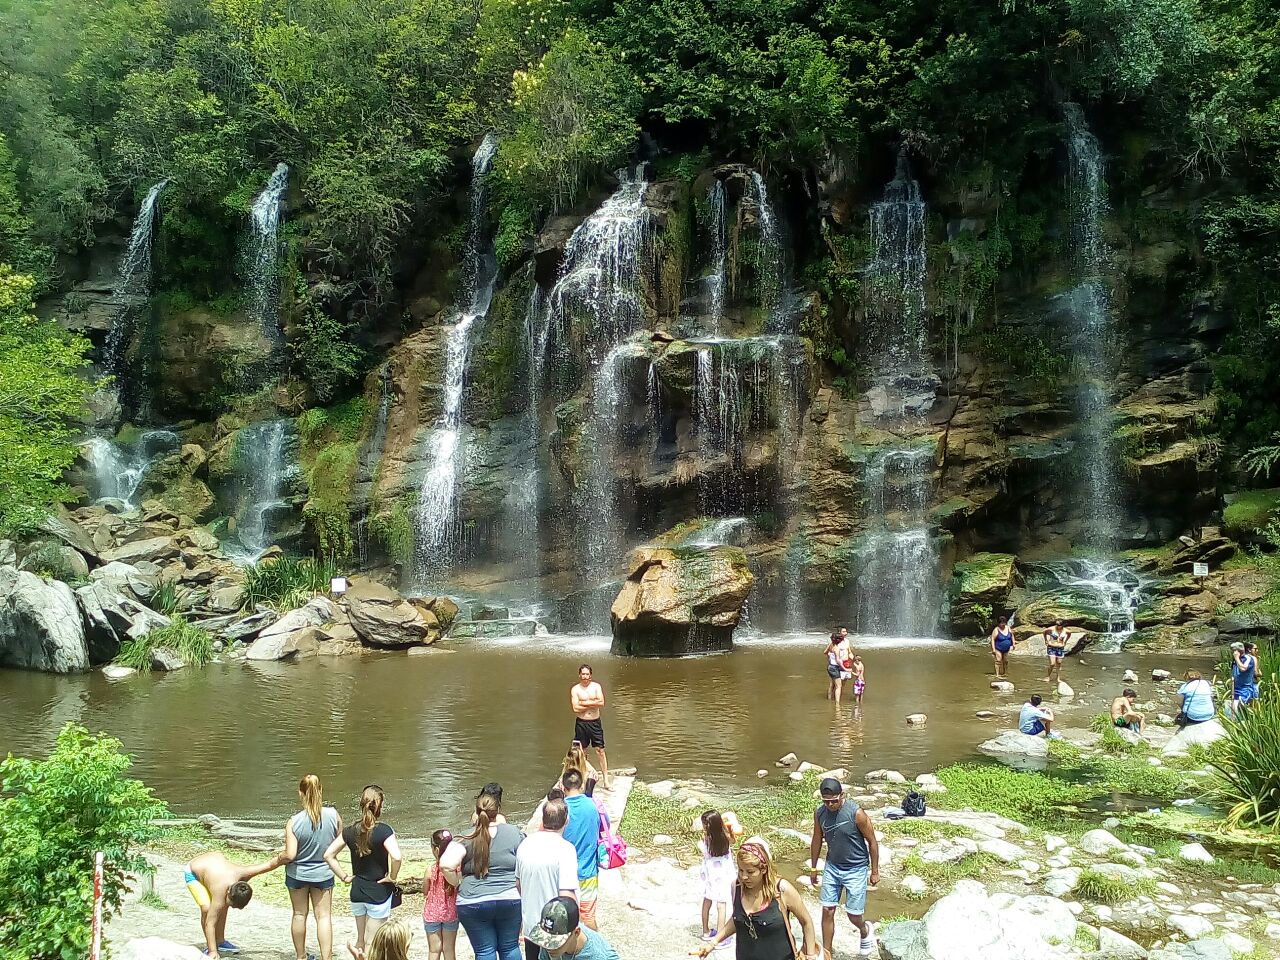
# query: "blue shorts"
{"points": [[1058, 653], [1037, 728], [294, 884], [851, 880], [1246, 695], [430, 927], [374, 911]]}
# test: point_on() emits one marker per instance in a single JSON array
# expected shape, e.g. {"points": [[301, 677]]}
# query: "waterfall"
{"points": [[133, 285], [1090, 307], [897, 586], [372, 454], [770, 257], [594, 306], [260, 464], [260, 257], [524, 502], [716, 280], [118, 471], [437, 538]]}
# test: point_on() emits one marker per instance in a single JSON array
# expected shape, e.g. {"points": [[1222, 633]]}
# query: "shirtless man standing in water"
{"points": [[587, 697]]}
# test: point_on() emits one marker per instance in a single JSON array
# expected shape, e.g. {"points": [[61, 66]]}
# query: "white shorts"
{"points": [[374, 911]]}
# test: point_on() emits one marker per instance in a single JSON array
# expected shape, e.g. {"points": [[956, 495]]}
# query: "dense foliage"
{"points": [[375, 104], [55, 815], [41, 394]]}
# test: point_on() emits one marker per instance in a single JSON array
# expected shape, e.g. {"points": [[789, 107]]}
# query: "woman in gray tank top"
{"points": [[309, 879]]}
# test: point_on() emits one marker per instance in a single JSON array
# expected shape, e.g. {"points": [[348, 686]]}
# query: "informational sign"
{"points": [[338, 586], [1200, 569]]}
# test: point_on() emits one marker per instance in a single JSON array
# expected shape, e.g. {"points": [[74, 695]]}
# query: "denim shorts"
{"points": [[294, 884], [852, 881], [374, 911], [431, 927]]}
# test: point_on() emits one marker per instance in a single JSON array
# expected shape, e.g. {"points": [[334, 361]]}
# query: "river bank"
{"points": [[1110, 853]]}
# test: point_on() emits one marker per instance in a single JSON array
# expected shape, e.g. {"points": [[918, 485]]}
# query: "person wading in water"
{"points": [[1001, 643]]}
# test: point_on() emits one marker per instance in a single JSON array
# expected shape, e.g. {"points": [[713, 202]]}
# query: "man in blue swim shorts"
{"points": [[853, 862]]}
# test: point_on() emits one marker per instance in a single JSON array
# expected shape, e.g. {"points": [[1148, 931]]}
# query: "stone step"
{"points": [[494, 629]]}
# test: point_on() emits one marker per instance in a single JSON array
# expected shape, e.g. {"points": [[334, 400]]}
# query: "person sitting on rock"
{"points": [[1124, 716], [1197, 700], [1036, 719], [217, 884]]}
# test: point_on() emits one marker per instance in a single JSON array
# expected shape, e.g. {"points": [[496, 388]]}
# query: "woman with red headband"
{"points": [[763, 906]]}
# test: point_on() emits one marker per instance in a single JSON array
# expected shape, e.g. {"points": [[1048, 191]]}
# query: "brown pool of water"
{"points": [[234, 738]]}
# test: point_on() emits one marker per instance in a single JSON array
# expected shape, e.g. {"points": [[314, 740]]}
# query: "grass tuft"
{"points": [[1097, 886], [192, 644], [1248, 763], [287, 583]]}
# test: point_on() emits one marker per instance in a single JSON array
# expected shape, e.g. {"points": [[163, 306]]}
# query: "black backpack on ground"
{"points": [[913, 805]]}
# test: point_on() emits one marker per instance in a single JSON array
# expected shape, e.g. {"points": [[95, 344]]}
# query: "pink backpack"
{"points": [[612, 850]]}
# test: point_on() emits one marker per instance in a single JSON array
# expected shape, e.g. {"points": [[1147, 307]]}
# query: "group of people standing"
{"points": [[844, 665], [1057, 639], [500, 883]]}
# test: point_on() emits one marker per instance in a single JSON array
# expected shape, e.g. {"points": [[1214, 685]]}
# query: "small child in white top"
{"points": [[718, 872]]}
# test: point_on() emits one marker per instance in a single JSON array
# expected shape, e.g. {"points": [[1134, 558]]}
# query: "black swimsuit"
{"points": [[763, 935]]}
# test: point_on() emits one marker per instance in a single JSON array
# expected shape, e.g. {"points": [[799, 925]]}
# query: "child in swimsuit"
{"points": [[859, 679]]}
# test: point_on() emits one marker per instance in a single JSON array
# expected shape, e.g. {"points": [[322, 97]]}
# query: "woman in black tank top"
{"points": [[762, 908]]}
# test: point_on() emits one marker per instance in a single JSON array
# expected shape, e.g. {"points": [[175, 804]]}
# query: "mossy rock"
{"points": [[979, 590], [190, 498], [1249, 511], [1075, 608]]}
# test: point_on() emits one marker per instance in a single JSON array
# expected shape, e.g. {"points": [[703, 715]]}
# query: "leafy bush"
{"points": [[192, 644], [288, 582], [55, 815], [1248, 763]]}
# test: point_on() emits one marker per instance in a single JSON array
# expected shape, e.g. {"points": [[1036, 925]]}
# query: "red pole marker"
{"points": [[95, 948]]}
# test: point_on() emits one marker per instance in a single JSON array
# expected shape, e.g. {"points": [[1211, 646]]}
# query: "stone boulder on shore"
{"points": [[293, 635], [678, 601], [972, 924], [40, 625]]}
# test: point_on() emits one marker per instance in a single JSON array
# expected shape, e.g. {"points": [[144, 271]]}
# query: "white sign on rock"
{"points": [[1200, 569]]}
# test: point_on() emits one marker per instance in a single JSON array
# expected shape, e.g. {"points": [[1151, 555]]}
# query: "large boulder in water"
{"points": [[111, 617], [383, 618], [40, 626], [973, 924], [979, 591], [680, 601], [293, 636]]}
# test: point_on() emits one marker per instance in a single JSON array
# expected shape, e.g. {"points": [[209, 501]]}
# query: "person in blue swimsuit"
{"points": [[1244, 675], [1001, 643], [1056, 640]]}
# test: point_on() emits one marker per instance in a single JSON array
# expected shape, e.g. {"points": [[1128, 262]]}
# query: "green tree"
{"points": [[56, 814], [573, 115], [42, 393]]}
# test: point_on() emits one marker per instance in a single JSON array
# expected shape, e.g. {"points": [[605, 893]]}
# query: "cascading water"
{"points": [[1090, 307], [133, 289], [372, 454], [1110, 590], [897, 586], [261, 465], [118, 471], [595, 305], [261, 254], [716, 279], [437, 538]]}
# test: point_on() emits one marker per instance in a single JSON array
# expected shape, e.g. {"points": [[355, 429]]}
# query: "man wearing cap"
{"points": [[560, 934], [853, 861]]}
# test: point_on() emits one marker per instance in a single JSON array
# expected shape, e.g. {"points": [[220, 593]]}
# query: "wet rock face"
{"points": [[680, 601]]}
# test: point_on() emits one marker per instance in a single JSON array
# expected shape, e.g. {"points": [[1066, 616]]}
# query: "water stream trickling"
{"points": [[594, 306], [262, 466], [1111, 589], [1089, 304], [716, 279], [437, 537], [260, 255], [897, 588], [118, 470], [133, 287]]}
